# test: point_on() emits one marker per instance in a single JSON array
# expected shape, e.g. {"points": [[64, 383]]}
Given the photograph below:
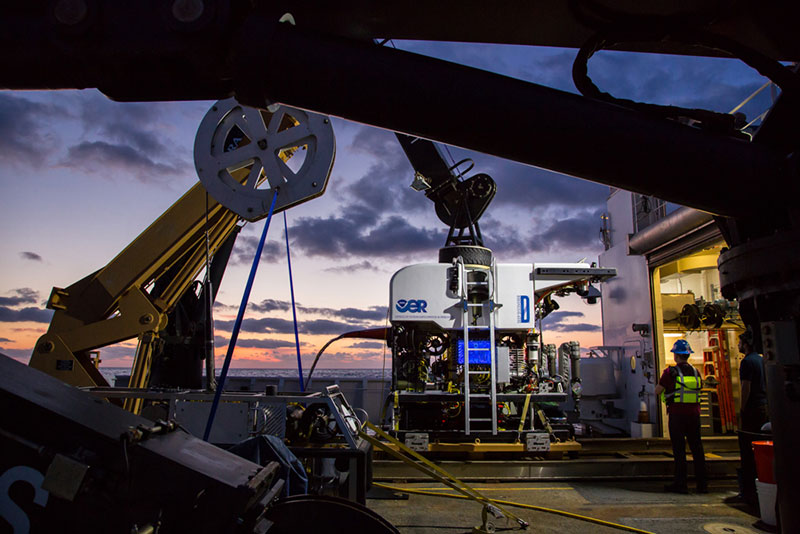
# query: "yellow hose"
{"points": [[519, 505]]}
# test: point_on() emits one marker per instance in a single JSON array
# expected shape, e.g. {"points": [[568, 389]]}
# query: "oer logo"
{"points": [[411, 306]]}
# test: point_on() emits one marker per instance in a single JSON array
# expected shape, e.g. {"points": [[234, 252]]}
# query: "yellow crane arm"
{"points": [[113, 304]]}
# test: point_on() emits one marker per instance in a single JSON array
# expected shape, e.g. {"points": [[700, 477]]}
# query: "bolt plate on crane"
{"points": [[243, 154]]}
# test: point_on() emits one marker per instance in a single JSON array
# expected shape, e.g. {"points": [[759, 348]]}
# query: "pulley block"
{"points": [[243, 155]]}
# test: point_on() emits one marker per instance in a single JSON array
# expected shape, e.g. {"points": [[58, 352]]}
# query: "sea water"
{"points": [[109, 373]]}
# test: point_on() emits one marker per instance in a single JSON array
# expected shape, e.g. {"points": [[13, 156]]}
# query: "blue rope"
{"points": [[294, 311], [238, 324]]}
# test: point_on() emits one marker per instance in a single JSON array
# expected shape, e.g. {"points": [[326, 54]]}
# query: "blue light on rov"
{"points": [[479, 352]]}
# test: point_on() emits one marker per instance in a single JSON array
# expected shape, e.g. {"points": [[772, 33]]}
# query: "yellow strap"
{"points": [[524, 413], [520, 505], [396, 407], [408, 456]]}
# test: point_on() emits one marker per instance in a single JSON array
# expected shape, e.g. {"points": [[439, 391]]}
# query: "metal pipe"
{"points": [[575, 360], [533, 124], [551, 353], [670, 227]]}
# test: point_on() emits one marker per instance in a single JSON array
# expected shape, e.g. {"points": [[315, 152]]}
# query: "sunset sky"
{"points": [[81, 176]]}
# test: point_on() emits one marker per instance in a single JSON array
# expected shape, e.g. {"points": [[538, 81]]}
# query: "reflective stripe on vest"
{"points": [[687, 388]]}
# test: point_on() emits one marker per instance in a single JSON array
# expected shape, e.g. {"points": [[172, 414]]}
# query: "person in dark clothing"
{"points": [[681, 386], [753, 414], [754, 390]]}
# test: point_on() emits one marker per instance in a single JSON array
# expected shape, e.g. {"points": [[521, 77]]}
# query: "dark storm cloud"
{"points": [[97, 111], [23, 295], [329, 236], [103, 157], [245, 249], [349, 319], [135, 124], [268, 305], [24, 134], [579, 327], [128, 137], [365, 265], [36, 315], [395, 235], [371, 225], [346, 235], [384, 188], [5, 340], [255, 343], [272, 325], [32, 256], [575, 233], [381, 144], [385, 185], [560, 316], [380, 211], [504, 240], [144, 141], [373, 313], [556, 321]]}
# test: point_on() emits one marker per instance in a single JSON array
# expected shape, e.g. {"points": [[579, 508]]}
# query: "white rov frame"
{"points": [[421, 295]]}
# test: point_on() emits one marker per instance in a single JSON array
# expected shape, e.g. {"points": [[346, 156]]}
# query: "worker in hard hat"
{"points": [[680, 385]]}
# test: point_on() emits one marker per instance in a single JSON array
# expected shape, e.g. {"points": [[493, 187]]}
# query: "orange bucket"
{"points": [[762, 450]]}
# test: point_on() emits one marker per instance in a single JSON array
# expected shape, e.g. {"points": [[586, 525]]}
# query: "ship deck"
{"points": [[588, 459], [619, 481], [642, 505]]}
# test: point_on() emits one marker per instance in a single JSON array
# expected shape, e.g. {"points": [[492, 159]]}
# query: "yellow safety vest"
{"points": [[687, 388]]}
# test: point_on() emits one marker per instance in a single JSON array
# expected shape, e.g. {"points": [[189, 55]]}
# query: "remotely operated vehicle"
{"points": [[466, 354], [323, 58]]}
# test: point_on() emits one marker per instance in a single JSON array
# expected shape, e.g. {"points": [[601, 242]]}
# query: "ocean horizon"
{"points": [[109, 373]]}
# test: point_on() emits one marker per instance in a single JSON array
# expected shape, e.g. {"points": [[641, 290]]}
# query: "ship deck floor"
{"points": [[639, 504]]}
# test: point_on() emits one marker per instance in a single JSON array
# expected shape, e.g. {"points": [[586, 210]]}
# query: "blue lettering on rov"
{"points": [[412, 306], [523, 309]]}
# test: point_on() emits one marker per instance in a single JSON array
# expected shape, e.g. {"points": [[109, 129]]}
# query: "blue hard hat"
{"points": [[682, 347]]}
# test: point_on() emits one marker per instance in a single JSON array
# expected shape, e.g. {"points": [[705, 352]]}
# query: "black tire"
{"points": [[471, 255], [307, 513]]}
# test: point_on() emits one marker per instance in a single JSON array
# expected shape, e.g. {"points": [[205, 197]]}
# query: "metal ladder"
{"points": [[488, 306]]}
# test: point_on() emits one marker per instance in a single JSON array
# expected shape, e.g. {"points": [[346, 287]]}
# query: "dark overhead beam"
{"points": [[506, 117], [141, 51]]}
